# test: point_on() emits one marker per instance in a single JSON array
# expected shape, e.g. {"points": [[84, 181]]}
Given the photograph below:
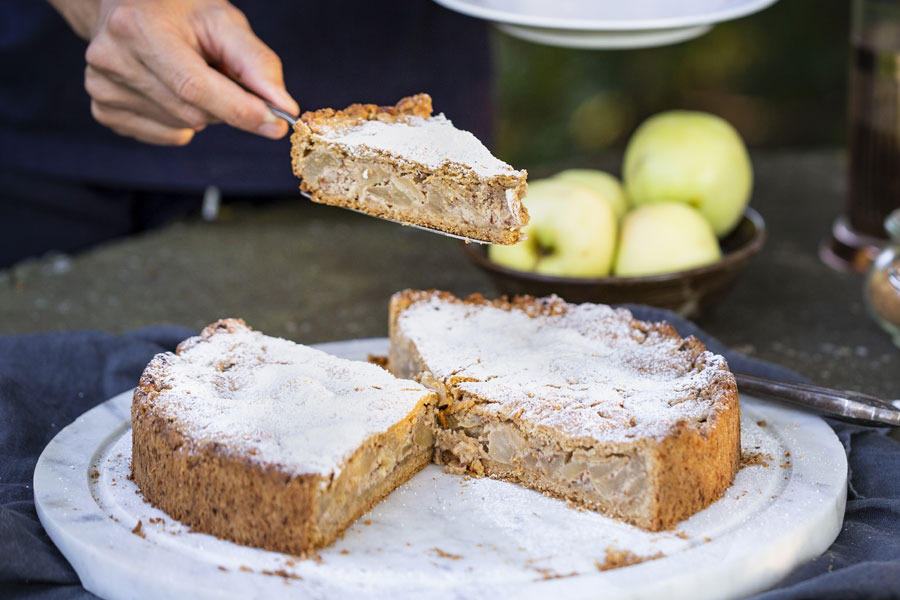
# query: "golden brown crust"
{"points": [[328, 119], [689, 468]]}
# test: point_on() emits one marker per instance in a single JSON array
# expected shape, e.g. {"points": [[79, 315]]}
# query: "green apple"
{"points": [[664, 237], [691, 157], [572, 232], [602, 183]]}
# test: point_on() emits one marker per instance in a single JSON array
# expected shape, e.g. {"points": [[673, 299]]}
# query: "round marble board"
{"points": [[446, 536]]}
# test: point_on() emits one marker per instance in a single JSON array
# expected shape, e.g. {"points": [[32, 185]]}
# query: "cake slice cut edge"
{"points": [[609, 449], [280, 487], [403, 163]]}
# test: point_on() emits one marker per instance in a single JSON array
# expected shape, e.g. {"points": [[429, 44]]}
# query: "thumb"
{"points": [[248, 59]]}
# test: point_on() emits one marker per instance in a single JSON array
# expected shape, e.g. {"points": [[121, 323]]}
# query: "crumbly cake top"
{"points": [[277, 402], [588, 370], [432, 141]]}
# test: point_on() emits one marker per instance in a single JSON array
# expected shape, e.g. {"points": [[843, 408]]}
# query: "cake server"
{"points": [[853, 407]]}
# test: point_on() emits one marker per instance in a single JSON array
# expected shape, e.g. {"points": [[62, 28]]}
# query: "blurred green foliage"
{"points": [[778, 76]]}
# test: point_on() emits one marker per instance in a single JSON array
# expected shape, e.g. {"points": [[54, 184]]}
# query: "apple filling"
{"points": [[482, 444], [373, 471], [409, 195]]}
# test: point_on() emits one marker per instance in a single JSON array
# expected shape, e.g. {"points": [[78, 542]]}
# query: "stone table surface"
{"points": [[313, 273]]}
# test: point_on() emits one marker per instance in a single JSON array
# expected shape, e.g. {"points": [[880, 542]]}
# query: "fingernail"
{"points": [[270, 118], [272, 130]]}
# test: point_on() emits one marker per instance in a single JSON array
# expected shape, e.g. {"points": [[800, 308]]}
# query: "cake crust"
{"points": [[453, 196], [653, 479]]}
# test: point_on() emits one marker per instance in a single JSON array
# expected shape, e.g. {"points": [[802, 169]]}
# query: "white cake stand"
{"points": [[606, 24], [445, 536]]}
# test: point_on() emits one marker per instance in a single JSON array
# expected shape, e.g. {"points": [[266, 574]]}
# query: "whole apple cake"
{"points": [[273, 444], [402, 163], [583, 402]]}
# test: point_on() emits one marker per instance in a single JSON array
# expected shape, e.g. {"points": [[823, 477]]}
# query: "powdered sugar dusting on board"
{"points": [[586, 372], [276, 402], [433, 142]]}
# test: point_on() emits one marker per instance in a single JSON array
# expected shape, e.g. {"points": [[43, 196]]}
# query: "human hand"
{"points": [[149, 68]]}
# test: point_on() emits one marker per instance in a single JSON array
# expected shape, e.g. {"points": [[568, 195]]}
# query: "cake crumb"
{"points": [[682, 535], [367, 522], [221, 568], [756, 459], [623, 558], [95, 474], [547, 574], [283, 573], [139, 529], [345, 551], [761, 423], [378, 359], [444, 554], [246, 569]]}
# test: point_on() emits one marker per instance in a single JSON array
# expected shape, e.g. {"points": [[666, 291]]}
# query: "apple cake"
{"points": [[273, 444], [582, 402], [402, 163]]}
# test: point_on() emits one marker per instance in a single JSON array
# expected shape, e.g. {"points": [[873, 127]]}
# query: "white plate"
{"points": [[606, 24], [444, 536]]}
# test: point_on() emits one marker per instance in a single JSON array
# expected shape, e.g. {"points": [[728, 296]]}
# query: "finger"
{"points": [[109, 91], [106, 60], [247, 58], [133, 125], [192, 80]]}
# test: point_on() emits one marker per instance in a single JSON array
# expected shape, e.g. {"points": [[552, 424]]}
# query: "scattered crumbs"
{"points": [[367, 522], [551, 574], [246, 569], [282, 573], [786, 464], [478, 545], [787, 453], [290, 563], [155, 520], [707, 540], [378, 359], [761, 423], [756, 459], [377, 387], [683, 535], [443, 554], [623, 558], [345, 551], [408, 544], [119, 455], [221, 568], [95, 474], [139, 529]]}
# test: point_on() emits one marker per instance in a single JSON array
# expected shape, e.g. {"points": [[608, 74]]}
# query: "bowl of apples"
{"points": [[675, 233]]}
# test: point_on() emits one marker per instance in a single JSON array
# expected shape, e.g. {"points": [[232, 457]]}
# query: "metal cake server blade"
{"points": [[852, 407]]}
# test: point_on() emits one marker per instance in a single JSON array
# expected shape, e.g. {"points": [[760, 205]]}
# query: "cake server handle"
{"points": [[853, 407]]}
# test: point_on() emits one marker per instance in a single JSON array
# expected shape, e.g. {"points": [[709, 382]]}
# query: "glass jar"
{"points": [[882, 288]]}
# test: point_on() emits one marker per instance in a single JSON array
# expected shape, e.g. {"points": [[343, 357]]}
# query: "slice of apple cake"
{"points": [[401, 163], [582, 402], [273, 444]]}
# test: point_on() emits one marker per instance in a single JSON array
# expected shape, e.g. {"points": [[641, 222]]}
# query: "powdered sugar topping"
{"points": [[279, 403], [432, 141], [586, 372]]}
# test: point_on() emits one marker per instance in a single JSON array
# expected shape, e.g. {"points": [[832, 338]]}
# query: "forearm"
{"points": [[81, 15]]}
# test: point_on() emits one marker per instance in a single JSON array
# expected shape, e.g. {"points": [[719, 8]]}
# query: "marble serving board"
{"points": [[446, 536]]}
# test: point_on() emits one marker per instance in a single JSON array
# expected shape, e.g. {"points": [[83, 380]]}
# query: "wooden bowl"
{"points": [[687, 292]]}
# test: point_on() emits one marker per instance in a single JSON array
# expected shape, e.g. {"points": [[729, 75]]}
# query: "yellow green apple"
{"points": [[663, 238], [691, 157], [572, 232], [601, 183]]}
